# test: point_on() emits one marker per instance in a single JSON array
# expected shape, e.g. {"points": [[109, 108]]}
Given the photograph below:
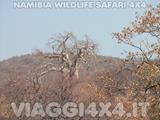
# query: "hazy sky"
{"points": [[23, 30]]}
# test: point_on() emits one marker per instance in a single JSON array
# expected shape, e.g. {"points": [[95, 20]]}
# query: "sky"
{"points": [[24, 30]]}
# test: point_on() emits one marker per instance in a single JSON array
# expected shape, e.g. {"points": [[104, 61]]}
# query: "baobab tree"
{"points": [[68, 53], [146, 56]]}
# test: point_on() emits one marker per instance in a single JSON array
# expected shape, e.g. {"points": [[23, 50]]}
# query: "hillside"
{"points": [[16, 83]]}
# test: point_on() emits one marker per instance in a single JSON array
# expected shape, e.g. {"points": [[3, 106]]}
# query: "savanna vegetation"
{"points": [[73, 71]]}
